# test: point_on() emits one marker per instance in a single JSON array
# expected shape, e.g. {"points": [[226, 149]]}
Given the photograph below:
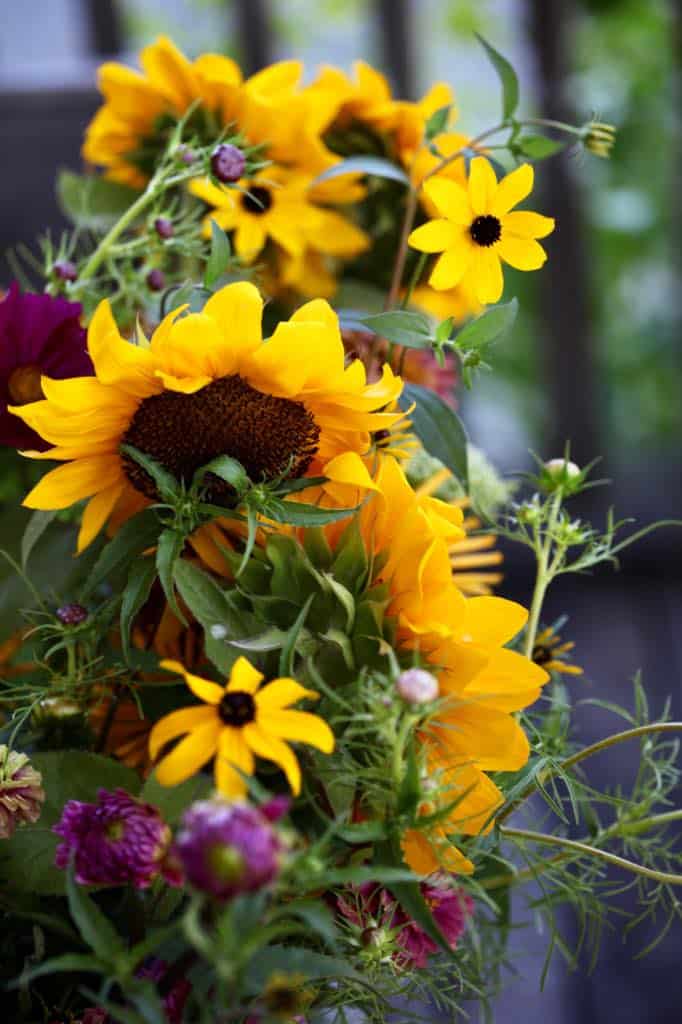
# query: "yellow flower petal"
{"points": [[249, 238], [118, 362], [526, 224], [244, 676], [450, 199], [65, 485], [508, 682], [176, 723], [434, 236], [233, 752], [425, 858], [273, 749], [280, 693], [482, 185], [492, 739], [298, 726], [96, 513], [493, 621], [512, 189], [451, 267], [521, 253], [317, 311], [204, 689], [486, 273], [190, 755], [237, 310]]}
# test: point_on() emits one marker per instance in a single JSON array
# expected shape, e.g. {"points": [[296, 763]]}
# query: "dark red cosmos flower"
{"points": [[39, 335]]}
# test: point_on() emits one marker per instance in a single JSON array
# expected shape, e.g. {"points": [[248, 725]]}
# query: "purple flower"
{"points": [[116, 841], [39, 335], [380, 918], [227, 848], [21, 792]]}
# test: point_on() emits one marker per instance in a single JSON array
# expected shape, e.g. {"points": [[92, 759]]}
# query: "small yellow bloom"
{"points": [[478, 229], [550, 653], [236, 722]]}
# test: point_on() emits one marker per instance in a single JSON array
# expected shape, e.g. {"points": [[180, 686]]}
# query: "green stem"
{"points": [[591, 851], [399, 749], [545, 574]]}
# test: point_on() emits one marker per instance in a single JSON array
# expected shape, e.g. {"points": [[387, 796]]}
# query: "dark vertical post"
{"points": [[255, 34], [105, 27], [566, 336], [396, 32]]}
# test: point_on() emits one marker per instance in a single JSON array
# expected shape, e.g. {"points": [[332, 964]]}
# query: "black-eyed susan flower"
{"points": [[235, 724], [207, 385], [275, 206], [550, 653], [478, 229]]}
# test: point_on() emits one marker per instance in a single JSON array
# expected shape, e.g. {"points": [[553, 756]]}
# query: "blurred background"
{"points": [[596, 355]]}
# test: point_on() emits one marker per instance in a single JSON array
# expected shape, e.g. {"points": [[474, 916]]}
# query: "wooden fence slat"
{"points": [[105, 27]]}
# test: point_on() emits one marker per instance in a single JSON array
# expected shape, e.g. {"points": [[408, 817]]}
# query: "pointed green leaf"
{"points": [[437, 122], [168, 552], [401, 326], [220, 256], [375, 166], [438, 427], [134, 537], [166, 484], [140, 579], [507, 76], [94, 927], [35, 528], [297, 513], [286, 658], [92, 201], [68, 963], [539, 147], [228, 469], [490, 326]]}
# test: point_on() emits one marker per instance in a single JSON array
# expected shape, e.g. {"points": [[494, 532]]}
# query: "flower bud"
{"points": [[164, 227], [71, 614], [227, 163], [417, 686], [21, 792], [185, 155], [65, 270], [599, 138], [156, 280], [561, 468]]}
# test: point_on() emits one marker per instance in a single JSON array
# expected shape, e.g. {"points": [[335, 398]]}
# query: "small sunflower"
{"points": [[275, 205], [478, 229], [234, 723], [207, 385], [550, 653]]}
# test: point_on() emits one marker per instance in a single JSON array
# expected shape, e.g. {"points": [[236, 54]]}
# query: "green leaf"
{"points": [[375, 166], [344, 597], [316, 915], [27, 859], [286, 658], [539, 147], [140, 579], [220, 256], [297, 513], [91, 201], [437, 122], [74, 963], [228, 469], [381, 874], [166, 484], [172, 801], [214, 608], [35, 528], [294, 960], [438, 427], [507, 76], [94, 927], [401, 326], [410, 788], [490, 326], [168, 551], [135, 536], [364, 832], [271, 639]]}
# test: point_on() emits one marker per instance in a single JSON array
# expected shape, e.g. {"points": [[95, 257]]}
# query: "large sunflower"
{"points": [[205, 385]]}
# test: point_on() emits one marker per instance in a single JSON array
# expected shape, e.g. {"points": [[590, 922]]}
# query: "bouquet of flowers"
{"points": [[271, 741]]}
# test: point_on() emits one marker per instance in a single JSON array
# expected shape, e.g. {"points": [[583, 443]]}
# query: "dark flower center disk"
{"points": [[24, 385], [257, 200], [541, 654], [237, 708], [270, 436], [486, 230]]}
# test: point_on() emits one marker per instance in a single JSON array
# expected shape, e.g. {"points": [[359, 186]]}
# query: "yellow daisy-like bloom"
{"points": [[275, 205], [207, 385], [550, 653], [472, 557], [236, 722], [477, 229]]}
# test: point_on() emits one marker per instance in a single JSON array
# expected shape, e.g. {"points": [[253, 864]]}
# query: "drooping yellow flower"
{"points": [[478, 229], [550, 653], [275, 205], [207, 385], [234, 723]]}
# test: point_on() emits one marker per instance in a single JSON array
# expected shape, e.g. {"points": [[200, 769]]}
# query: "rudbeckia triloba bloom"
{"points": [[39, 335], [478, 229], [207, 385], [275, 205], [550, 653], [234, 723]]}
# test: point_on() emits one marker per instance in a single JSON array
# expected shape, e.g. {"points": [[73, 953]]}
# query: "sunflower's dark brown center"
{"points": [[485, 230], [257, 200], [541, 655], [237, 708], [24, 385], [270, 436]]}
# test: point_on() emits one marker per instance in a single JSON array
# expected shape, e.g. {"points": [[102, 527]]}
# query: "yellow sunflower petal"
{"points": [[65, 485], [280, 693], [492, 739], [237, 310], [527, 225], [508, 681], [175, 724], [512, 189], [118, 362], [273, 749], [482, 185], [249, 238], [434, 236], [316, 311], [96, 513], [233, 752], [450, 199], [204, 689], [425, 858], [298, 726], [493, 621], [521, 253], [190, 755], [451, 267], [244, 676]]}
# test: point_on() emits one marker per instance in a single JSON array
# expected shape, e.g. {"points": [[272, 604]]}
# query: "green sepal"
{"points": [[168, 551]]}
